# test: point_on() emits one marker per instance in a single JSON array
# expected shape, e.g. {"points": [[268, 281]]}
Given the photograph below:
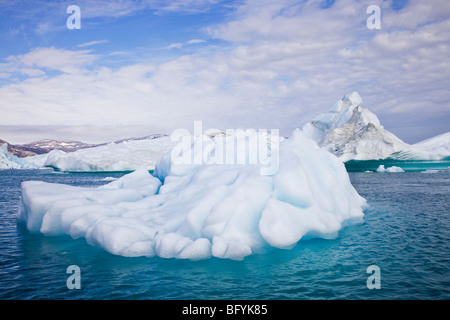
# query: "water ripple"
{"points": [[406, 232]]}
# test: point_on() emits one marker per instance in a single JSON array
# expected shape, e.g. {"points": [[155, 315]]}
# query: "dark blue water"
{"points": [[406, 233]]}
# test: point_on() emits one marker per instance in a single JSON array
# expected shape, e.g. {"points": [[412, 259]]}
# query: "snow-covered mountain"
{"points": [[352, 132], [45, 146]]}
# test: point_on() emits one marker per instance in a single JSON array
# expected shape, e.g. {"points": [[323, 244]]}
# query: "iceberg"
{"points": [[439, 144], [196, 212], [10, 161], [352, 132], [430, 171], [381, 168], [124, 156], [38, 161]]}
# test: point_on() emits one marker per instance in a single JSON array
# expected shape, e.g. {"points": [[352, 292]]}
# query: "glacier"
{"points": [[196, 212], [352, 132], [124, 156]]}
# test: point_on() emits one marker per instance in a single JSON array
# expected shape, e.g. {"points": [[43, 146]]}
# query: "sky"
{"points": [[139, 67]]}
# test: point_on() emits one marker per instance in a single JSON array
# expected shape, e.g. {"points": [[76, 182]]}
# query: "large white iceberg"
{"points": [[125, 156], [220, 210], [352, 132]]}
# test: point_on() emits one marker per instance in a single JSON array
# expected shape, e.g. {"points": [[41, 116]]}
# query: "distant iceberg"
{"points": [[352, 132], [128, 155], [10, 161], [431, 171], [124, 156], [381, 168], [439, 144], [227, 211]]}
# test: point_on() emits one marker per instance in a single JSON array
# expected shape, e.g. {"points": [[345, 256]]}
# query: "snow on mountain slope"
{"points": [[439, 144], [211, 210], [124, 156], [352, 132]]}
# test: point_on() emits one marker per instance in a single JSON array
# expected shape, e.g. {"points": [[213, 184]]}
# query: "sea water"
{"points": [[405, 233]]}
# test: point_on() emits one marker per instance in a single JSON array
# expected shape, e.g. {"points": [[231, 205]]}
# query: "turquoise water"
{"points": [[406, 233], [406, 165]]}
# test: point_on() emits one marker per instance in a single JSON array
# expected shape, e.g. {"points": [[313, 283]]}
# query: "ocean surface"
{"points": [[406, 234]]}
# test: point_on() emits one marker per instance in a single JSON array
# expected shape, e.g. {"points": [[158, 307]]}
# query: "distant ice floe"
{"points": [[197, 212], [381, 168], [109, 179]]}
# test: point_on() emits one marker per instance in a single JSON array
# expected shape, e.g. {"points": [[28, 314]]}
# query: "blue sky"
{"points": [[140, 30], [138, 67]]}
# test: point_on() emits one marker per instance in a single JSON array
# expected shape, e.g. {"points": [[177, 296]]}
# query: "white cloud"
{"points": [[192, 6], [91, 43], [327, 52], [417, 13], [179, 45], [196, 41], [44, 27], [32, 72], [120, 8], [174, 46], [284, 62], [67, 61]]}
